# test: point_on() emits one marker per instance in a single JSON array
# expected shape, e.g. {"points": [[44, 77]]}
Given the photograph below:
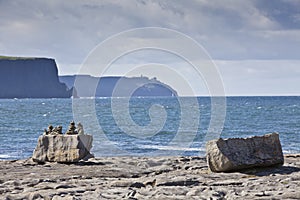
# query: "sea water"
{"points": [[147, 126]]}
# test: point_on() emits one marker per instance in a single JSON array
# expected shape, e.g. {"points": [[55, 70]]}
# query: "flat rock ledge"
{"points": [[235, 154], [145, 178], [62, 148]]}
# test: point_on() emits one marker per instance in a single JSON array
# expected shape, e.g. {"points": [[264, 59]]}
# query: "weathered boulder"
{"points": [[235, 154], [62, 148]]}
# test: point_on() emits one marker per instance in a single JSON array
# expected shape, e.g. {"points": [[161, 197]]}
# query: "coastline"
{"points": [[146, 178]]}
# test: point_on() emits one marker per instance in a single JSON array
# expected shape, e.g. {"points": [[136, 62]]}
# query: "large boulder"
{"points": [[62, 148], [235, 154]]}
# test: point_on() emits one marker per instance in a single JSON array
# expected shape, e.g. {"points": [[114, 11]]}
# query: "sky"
{"points": [[254, 44]]}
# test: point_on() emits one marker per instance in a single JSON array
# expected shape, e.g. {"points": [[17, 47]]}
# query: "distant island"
{"points": [[106, 85], [30, 77]]}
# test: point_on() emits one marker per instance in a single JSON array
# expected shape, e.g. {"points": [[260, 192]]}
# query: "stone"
{"points": [[80, 130], [72, 129], [111, 177], [57, 130], [235, 154], [62, 148], [49, 130]]}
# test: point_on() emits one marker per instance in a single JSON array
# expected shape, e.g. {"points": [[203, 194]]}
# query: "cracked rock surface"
{"points": [[146, 178]]}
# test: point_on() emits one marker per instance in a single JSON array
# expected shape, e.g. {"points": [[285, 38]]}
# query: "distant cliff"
{"points": [[30, 78], [106, 85]]}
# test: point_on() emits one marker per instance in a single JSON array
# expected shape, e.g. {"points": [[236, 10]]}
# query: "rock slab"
{"points": [[172, 177], [62, 148], [235, 154]]}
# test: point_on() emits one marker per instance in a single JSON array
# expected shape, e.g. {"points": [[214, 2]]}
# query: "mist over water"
{"points": [[22, 121]]}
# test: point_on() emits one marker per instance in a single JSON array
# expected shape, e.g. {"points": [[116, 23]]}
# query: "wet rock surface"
{"points": [[146, 178]]}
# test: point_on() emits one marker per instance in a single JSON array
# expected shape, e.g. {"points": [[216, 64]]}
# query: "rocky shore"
{"points": [[146, 178]]}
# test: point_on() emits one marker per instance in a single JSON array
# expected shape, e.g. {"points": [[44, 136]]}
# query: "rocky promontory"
{"points": [[22, 77], [90, 86]]}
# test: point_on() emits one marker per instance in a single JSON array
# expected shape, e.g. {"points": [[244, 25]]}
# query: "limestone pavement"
{"points": [[146, 178]]}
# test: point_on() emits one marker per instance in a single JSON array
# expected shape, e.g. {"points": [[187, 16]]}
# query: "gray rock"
{"points": [[235, 154], [62, 148], [72, 129], [112, 177], [80, 130]]}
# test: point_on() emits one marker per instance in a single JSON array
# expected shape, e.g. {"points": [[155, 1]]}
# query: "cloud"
{"points": [[284, 12], [228, 30], [69, 30]]}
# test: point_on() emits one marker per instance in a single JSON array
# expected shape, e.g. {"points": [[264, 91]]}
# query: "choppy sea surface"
{"points": [[147, 126]]}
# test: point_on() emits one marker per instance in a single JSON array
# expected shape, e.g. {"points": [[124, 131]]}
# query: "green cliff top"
{"points": [[16, 58]]}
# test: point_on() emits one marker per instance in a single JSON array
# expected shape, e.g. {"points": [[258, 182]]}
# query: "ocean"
{"points": [[147, 126]]}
